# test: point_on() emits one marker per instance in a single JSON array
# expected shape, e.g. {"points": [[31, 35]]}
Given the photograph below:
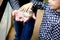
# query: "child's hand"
{"points": [[26, 6]]}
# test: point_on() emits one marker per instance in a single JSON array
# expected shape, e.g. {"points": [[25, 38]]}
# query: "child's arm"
{"points": [[39, 4], [34, 3]]}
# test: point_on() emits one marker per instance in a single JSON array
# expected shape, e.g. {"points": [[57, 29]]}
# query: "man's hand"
{"points": [[17, 16], [14, 13], [27, 18], [20, 17]]}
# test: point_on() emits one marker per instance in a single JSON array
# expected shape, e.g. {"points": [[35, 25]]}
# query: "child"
{"points": [[50, 28]]}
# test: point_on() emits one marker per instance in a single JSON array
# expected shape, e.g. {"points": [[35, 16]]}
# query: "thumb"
{"points": [[14, 13], [33, 16]]}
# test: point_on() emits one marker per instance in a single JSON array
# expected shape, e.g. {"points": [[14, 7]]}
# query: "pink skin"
{"points": [[21, 18], [14, 13], [17, 16], [55, 4]]}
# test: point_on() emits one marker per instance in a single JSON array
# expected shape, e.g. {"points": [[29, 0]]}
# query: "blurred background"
{"points": [[7, 31]]}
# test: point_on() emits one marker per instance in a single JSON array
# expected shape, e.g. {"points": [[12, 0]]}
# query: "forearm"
{"points": [[37, 3], [14, 4], [40, 4]]}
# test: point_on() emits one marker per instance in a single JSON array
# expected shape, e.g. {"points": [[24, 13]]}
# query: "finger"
{"points": [[21, 8], [34, 17], [26, 9], [16, 18], [14, 13], [26, 19], [19, 19]]}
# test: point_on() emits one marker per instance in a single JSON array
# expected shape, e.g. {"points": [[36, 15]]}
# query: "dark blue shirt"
{"points": [[16, 4]]}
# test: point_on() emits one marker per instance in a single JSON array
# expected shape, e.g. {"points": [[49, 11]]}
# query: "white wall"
{"points": [[5, 22]]}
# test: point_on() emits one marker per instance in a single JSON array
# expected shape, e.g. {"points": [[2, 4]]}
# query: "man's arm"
{"points": [[14, 4]]}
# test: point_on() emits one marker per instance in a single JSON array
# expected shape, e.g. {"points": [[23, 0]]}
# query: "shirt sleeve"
{"points": [[39, 4], [14, 4]]}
